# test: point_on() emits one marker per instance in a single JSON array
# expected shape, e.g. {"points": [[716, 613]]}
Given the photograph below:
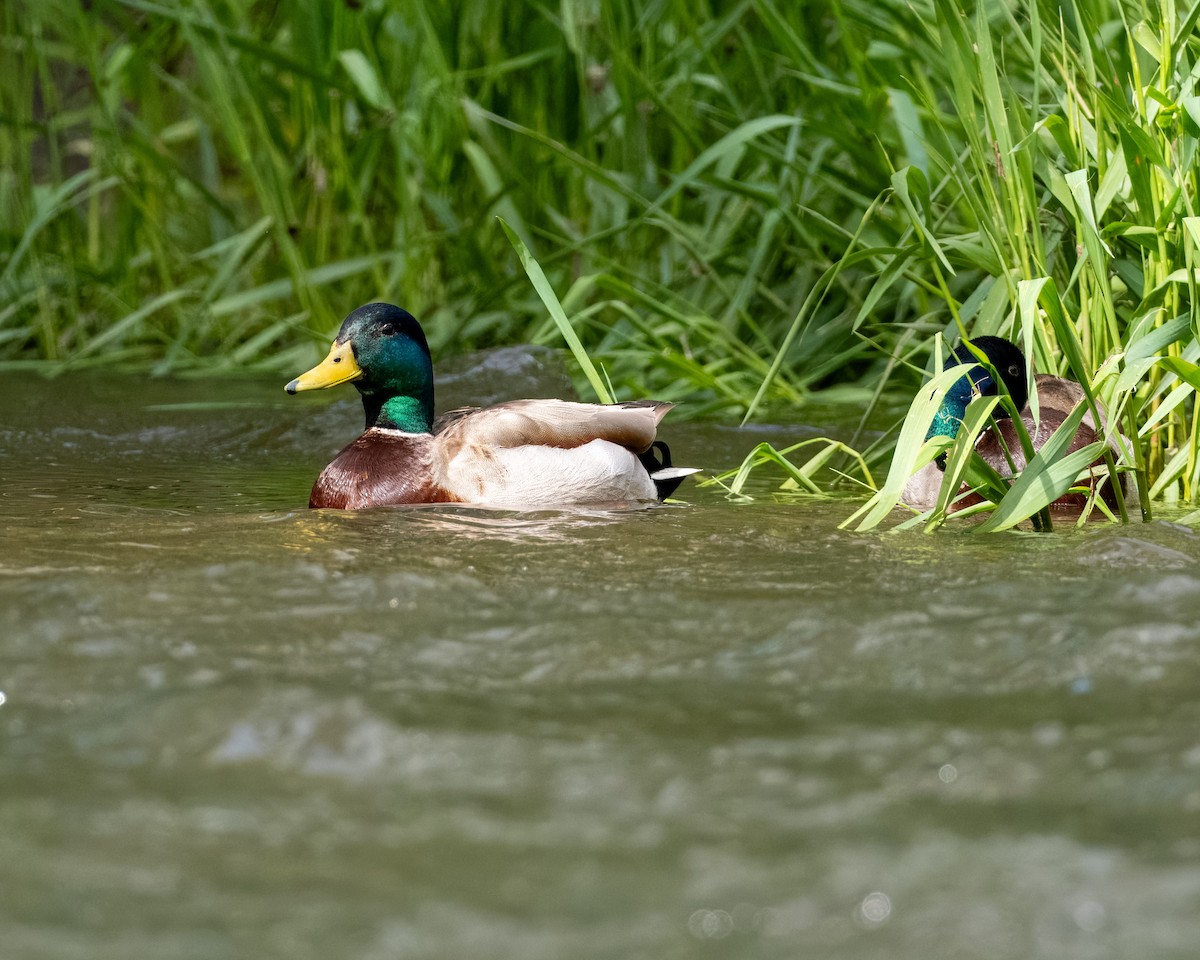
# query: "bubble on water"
{"points": [[3, 698], [710, 924], [948, 773], [875, 908]]}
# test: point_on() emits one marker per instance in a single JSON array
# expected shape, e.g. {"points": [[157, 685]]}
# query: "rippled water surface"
{"points": [[235, 728]]}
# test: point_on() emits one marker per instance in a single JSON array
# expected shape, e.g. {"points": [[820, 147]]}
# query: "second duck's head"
{"points": [[382, 350], [1009, 364]]}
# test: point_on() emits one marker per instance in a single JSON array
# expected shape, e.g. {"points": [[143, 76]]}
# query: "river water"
{"points": [[235, 728]]}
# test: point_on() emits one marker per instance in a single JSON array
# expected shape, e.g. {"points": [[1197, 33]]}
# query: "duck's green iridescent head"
{"points": [[1009, 362], [382, 350]]}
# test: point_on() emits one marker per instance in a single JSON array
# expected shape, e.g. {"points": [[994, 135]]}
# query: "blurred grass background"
{"points": [[744, 204]]}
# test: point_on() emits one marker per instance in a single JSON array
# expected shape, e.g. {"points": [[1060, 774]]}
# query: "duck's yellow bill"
{"points": [[339, 367]]}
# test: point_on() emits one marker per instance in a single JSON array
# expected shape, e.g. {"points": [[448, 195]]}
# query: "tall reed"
{"points": [[205, 181], [1050, 193]]}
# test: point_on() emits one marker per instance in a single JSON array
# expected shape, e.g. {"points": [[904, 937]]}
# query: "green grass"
{"points": [[1054, 200], [202, 183], [741, 205]]}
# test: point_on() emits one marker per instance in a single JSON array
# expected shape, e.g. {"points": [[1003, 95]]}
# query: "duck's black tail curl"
{"points": [[665, 476]]}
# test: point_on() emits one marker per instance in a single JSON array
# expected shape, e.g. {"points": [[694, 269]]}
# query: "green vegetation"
{"points": [[742, 206]]}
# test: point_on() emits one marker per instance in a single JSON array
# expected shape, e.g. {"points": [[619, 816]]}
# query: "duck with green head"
{"points": [[523, 453], [1057, 398]]}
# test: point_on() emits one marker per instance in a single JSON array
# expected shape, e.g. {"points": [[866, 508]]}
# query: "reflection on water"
{"points": [[232, 727]]}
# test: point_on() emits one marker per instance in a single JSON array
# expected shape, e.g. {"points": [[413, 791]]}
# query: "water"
{"points": [[236, 728]]}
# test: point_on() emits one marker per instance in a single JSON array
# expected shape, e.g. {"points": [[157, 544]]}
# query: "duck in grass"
{"points": [[1057, 397], [526, 453]]}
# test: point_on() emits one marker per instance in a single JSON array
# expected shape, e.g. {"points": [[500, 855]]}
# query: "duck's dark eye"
{"points": [[387, 330]]}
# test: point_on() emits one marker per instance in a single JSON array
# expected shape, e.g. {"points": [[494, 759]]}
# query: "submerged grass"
{"points": [[743, 206]]}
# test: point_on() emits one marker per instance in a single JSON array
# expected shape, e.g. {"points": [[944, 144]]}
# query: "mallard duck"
{"points": [[1057, 397], [522, 453]]}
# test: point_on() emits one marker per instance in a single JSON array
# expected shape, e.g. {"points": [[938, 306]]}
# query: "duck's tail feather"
{"points": [[665, 476]]}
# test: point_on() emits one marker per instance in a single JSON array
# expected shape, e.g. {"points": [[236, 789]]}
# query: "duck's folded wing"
{"points": [[451, 416], [1057, 397], [555, 423]]}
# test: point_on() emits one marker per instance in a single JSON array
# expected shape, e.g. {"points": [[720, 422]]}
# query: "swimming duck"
{"points": [[522, 453], [1057, 397]]}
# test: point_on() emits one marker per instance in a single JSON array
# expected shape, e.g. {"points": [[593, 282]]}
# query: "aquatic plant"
{"points": [[200, 182], [1053, 197]]}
